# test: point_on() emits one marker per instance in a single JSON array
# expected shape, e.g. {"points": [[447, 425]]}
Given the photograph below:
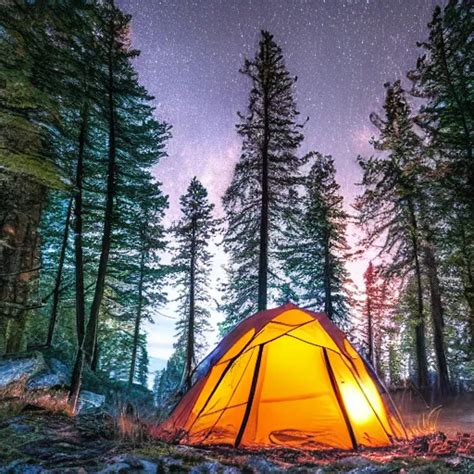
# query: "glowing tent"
{"points": [[284, 377]]}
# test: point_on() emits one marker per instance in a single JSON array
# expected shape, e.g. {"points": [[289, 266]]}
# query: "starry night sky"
{"points": [[342, 52]]}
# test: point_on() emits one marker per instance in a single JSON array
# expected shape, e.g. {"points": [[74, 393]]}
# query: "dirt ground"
{"points": [[40, 442]]}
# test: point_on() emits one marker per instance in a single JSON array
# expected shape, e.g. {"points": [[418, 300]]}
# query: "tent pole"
{"points": [[253, 387], [340, 400]]}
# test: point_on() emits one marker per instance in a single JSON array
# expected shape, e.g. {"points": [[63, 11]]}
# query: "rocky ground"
{"points": [[36, 441], [37, 437]]}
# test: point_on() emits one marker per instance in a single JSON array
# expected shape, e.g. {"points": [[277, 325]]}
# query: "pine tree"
{"points": [[168, 381], [146, 275], [257, 196], [378, 313], [370, 309], [442, 78], [134, 143], [388, 205], [316, 249], [191, 263], [30, 160]]}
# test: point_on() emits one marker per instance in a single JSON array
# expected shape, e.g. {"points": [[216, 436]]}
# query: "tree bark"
{"points": [[370, 336], [138, 317], [92, 324], [420, 339], [86, 349], [57, 285], [467, 277], [95, 359], [328, 306], [3, 334], [190, 357], [76, 378], [437, 317], [264, 215], [22, 201], [78, 249]]}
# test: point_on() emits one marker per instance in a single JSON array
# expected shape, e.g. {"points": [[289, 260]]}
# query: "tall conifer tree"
{"points": [[443, 79], [191, 261], [257, 197], [388, 207], [316, 249]]}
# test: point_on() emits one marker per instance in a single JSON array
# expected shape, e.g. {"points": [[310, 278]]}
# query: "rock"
{"points": [[149, 467], [21, 467], [359, 465], [21, 428], [89, 401], [260, 465], [13, 370], [56, 376], [129, 463], [454, 461], [214, 468], [168, 465], [68, 470], [45, 381], [372, 469], [119, 467], [306, 470], [59, 368]]}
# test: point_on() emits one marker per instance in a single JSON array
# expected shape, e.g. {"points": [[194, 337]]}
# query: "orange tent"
{"points": [[284, 377]]}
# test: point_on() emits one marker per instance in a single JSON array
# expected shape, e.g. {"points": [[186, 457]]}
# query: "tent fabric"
{"points": [[284, 377]]}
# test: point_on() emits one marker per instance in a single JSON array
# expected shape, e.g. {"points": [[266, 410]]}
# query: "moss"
{"points": [[39, 168]]}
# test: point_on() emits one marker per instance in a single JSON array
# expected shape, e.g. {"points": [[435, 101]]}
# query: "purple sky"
{"points": [[342, 52]]}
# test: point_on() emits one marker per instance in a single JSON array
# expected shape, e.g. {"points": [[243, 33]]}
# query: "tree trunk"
{"points": [[79, 265], [138, 317], [3, 334], [264, 216], [467, 276], [190, 358], [92, 324], [328, 306], [377, 363], [420, 339], [76, 380], [95, 359], [78, 253], [16, 334], [86, 349], [21, 201], [370, 336], [437, 317], [59, 276]]}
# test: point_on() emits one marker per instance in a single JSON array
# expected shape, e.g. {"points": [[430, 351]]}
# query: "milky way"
{"points": [[342, 52]]}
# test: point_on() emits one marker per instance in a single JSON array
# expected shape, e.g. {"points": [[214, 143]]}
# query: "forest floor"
{"points": [[35, 441]]}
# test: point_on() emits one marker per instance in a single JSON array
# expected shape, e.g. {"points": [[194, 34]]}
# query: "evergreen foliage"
{"points": [[256, 201], [388, 207], [191, 266], [81, 213], [443, 78], [69, 70], [315, 249]]}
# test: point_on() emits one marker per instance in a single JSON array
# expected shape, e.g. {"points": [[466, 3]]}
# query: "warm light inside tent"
{"points": [[356, 403], [284, 377]]}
